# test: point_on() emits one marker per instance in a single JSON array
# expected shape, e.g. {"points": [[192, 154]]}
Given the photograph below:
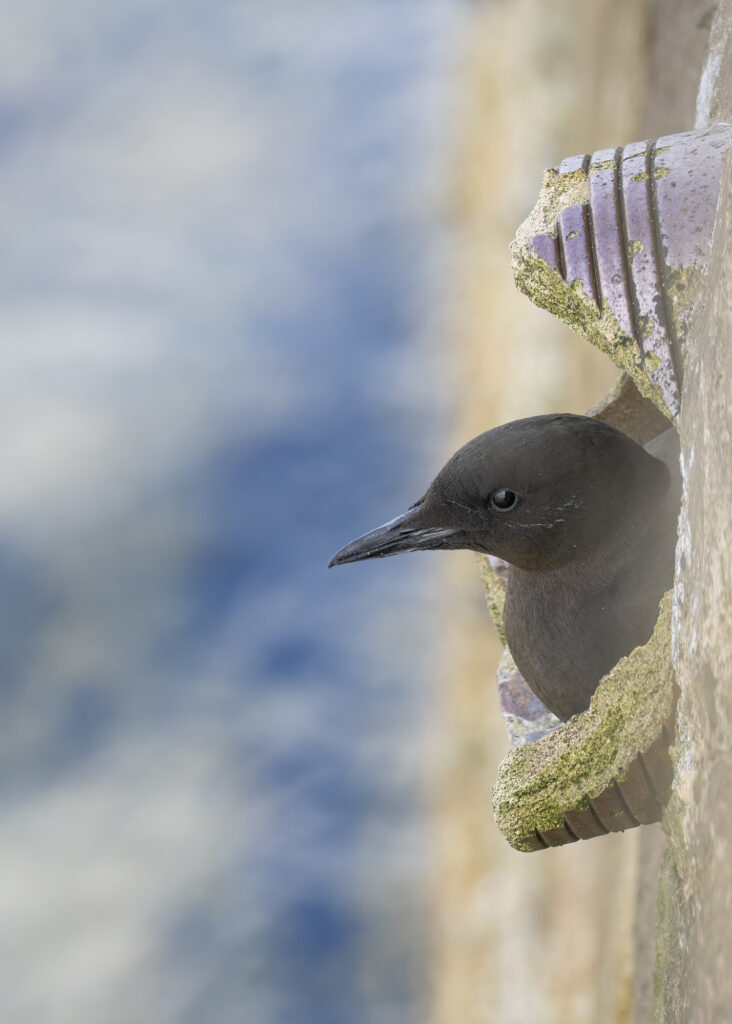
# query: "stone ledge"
{"points": [[587, 777]]}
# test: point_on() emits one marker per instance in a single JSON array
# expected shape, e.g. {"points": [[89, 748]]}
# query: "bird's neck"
{"points": [[592, 570]]}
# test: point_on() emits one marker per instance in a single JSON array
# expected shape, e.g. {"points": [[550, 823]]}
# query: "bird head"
{"points": [[536, 492]]}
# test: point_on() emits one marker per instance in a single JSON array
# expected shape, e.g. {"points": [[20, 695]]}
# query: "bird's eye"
{"points": [[503, 499]]}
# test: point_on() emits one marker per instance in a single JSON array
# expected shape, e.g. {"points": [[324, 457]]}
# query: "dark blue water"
{"points": [[220, 324]]}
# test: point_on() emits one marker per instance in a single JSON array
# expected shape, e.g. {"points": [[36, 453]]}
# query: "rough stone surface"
{"points": [[689, 924], [694, 940], [524, 715], [539, 783], [616, 246]]}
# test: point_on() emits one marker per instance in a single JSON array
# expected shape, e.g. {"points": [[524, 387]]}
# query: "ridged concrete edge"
{"points": [[544, 790]]}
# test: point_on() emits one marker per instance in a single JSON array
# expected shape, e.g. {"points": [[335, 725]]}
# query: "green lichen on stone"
{"points": [[651, 361], [602, 165], [683, 285], [546, 287], [645, 326], [658, 172], [572, 234], [558, 192], [495, 593], [635, 246], [538, 782]]}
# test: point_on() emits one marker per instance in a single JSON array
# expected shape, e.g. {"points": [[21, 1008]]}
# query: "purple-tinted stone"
{"points": [[525, 716], [644, 261], [545, 248], [574, 243], [686, 176], [648, 220], [608, 238], [572, 164]]}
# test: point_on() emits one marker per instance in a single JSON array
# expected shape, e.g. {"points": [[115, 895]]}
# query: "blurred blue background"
{"points": [[220, 325]]}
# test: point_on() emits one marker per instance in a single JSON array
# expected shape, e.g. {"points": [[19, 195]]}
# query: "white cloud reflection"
{"points": [[181, 183]]}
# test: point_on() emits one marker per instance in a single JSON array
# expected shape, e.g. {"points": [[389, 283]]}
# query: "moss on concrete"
{"points": [[683, 286], [568, 301], [546, 287], [558, 191], [602, 165], [651, 361], [658, 172], [537, 783], [495, 593]]}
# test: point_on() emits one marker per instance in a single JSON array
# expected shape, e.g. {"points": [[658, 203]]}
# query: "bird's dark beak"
{"points": [[405, 533]]}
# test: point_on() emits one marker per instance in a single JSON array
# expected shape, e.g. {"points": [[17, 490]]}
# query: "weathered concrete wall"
{"points": [[570, 934], [694, 952]]}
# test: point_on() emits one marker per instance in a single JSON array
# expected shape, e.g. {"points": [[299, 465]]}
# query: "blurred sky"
{"points": [[221, 360]]}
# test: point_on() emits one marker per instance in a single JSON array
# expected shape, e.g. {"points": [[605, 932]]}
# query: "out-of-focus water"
{"points": [[219, 363]]}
